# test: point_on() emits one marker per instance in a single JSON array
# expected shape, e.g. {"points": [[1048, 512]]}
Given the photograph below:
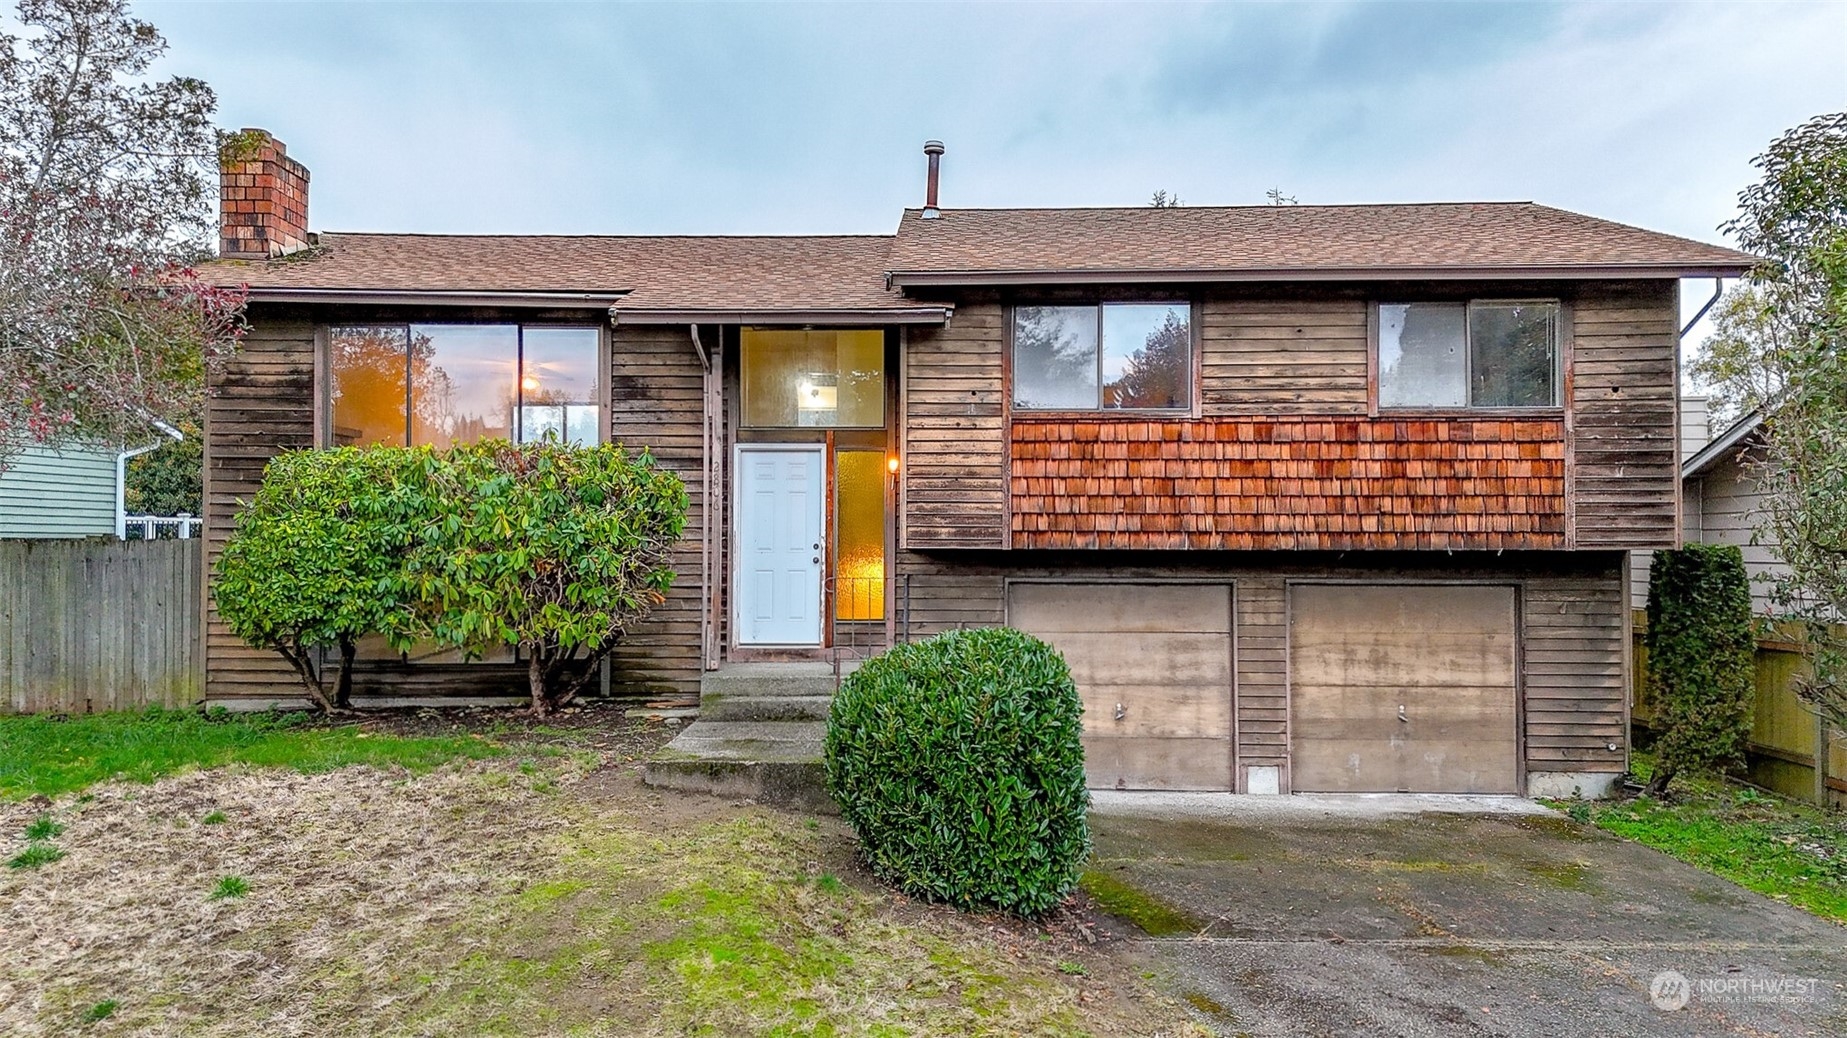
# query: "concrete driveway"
{"points": [[1356, 916]]}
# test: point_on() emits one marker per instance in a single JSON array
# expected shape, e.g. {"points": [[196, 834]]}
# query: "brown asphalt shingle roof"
{"points": [[717, 272], [847, 272], [1305, 238]]}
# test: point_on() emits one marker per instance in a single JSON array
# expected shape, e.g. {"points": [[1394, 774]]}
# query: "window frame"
{"points": [[1561, 352], [1133, 414], [325, 375]]}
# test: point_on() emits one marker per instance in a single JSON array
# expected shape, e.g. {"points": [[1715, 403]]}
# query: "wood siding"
{"points": [[1574, 656], [1283, 355], [1571, 629], [1624, 401], [955, 438], [1262, 483], [265, 403], [658, 389], [1301, 352], [262, 405]]}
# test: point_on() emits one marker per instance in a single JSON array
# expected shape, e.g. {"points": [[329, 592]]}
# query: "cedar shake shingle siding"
{"points": [[1293, 483]]}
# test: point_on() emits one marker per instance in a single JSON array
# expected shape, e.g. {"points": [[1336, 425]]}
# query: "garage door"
{"points": [[1402, 688], [1153, 663]]}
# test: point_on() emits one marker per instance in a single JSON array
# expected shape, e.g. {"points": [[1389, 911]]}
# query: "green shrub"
{"points": [[547, 548], [1701, 659], [313, 561], [551, 549], [957, 761]]}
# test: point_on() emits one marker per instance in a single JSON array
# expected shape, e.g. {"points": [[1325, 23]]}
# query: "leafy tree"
{"points": [[1788, 354], [316, 560], [107, 184], [1163, 200], [1702, 653], [550, 549], [169, 479]]}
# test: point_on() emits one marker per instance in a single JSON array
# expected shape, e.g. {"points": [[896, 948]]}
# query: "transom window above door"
{"points": [[797, 378], [1112, 356], [449, 384]]}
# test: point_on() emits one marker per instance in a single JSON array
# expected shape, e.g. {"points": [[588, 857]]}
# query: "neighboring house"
{"points": [[1720, 499], [76, 490], [68, 492], [1719, 486], [1311, 497]]}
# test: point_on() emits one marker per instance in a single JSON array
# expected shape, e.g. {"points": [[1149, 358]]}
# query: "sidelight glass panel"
{"points": [[1147, 355], [1513, 354], [559, 385], [859, 535], [1055, 358], [813, 378], [1423, 355], [463, 383], [368, 364]]}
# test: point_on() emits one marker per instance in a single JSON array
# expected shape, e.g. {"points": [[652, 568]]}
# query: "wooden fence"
{"points": [[1784, 733], [97, 625]]}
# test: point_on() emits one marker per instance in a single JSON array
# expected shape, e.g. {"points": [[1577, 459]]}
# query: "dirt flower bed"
{"points": [[545, 891]]}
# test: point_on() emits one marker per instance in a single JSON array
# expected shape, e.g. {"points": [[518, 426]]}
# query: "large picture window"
{"points": [[1114, 356], [1479, 354], [449, 384]]}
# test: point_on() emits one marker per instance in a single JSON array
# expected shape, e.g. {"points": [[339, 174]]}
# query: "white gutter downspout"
{"points": [[121, 474]]}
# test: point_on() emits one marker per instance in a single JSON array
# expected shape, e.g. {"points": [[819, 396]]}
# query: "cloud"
{"points": [[791, 118]]}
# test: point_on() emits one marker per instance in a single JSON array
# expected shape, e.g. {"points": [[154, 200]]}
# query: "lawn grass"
{"points": [[1790, 851], [57, 755]]}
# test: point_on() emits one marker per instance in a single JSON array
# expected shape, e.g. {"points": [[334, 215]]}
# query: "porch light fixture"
{"points": [[891, 464]]}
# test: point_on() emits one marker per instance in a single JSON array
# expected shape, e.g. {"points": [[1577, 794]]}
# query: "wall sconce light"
{"points": [[891, 464]]}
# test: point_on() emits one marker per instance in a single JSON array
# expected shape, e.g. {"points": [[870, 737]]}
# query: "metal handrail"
{"points": [[862, 600]]}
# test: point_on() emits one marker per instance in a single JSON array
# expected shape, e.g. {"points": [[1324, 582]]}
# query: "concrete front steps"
{"points": [[758, 735]]}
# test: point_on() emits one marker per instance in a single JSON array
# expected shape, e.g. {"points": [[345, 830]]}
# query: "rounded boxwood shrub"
{"points": [[957, 761]]}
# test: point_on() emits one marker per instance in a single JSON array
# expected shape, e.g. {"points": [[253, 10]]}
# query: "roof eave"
{"points": [[1718, 450], [1572, 272], [457, 297], [837, 316]]}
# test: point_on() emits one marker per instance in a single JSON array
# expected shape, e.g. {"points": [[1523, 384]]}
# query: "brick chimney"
{"points": [[262, 199]]}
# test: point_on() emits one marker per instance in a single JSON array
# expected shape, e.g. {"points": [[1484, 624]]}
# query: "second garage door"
{"points": [[1153, 663], [1403, 688]]}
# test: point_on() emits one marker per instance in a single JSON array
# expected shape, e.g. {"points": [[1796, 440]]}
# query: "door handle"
{"points": [[1121, 711], [817, 558], [1401, 717]]}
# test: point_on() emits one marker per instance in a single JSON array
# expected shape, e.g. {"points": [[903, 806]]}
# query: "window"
{"points": [[859, 535], [1115, 356], [1477, 354], [808, 378], [449, 384]]}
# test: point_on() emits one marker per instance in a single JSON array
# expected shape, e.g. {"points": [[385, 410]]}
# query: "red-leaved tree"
{"points": [[107, 191]]}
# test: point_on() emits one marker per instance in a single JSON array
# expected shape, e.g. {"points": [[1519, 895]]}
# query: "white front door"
{"points": [[779, 505]]}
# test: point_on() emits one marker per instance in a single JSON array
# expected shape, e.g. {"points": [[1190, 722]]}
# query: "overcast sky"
{"points": [[735, 118]]}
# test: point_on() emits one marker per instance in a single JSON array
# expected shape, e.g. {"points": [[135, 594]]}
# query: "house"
{"points": [[73, 490], [1312, 498], [1721, 499]]}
